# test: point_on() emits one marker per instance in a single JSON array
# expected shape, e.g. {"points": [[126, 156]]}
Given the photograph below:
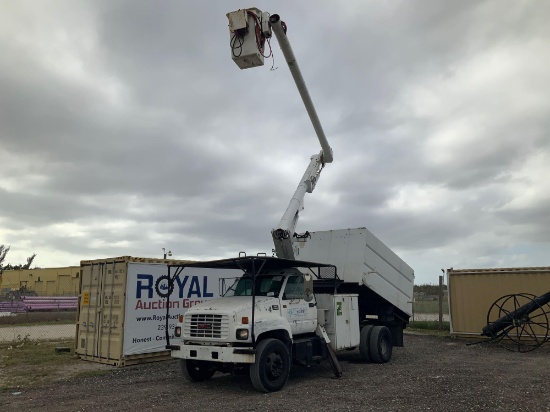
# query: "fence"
{"points": [[28, 314], [39, 304], [428, 310], [431, 312]]}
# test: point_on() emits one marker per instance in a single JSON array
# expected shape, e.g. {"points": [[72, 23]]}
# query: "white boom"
{"points": [[247, 48], [280, 33]]}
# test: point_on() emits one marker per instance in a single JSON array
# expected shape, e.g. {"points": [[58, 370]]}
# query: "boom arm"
{"points": [[284, 233], [247, 48], [280, 33]]}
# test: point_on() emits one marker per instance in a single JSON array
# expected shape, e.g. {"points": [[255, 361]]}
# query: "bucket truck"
{"points": [[325, 291]]}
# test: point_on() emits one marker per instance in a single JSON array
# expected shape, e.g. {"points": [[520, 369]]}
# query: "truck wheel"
{"points": [[380, 344], [269, 372], [364, 341], [196, 371]]}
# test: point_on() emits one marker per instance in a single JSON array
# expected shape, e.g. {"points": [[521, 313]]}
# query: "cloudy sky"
{"points": [[125, 128]]}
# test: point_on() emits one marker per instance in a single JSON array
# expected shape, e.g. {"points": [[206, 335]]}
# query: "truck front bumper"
{"points": [[223, 354]]}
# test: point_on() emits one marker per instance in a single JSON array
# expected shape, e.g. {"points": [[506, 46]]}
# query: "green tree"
{"points": [[428, 289], [29, 261], [3, 253]]}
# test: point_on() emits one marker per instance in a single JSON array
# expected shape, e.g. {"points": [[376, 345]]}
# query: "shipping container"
{"points": [[473, 291], [121, 320]]}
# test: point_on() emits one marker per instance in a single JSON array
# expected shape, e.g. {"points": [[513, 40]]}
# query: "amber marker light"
{"points": [[244, 320]]}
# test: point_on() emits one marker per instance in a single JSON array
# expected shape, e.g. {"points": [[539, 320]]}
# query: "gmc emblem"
{"points": [[204, 326]]}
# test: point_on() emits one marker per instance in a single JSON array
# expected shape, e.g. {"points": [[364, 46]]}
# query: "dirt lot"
{"points": [[429, 373]]}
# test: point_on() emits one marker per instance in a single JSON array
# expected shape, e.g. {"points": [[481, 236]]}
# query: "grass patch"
{"points": [[429, 328], [38, 318], [430, 306], [51, 322], [429, 325], [430, 332], [25, 363]]}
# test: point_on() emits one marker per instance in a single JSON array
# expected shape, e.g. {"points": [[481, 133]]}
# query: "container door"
{"points": [[88, 310], [101, 311]]}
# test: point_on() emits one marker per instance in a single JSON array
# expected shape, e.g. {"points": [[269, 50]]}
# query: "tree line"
{"points": [[428, 289], [4, 252]]}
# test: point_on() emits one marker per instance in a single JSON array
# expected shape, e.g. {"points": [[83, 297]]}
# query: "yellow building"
{"points": [[44, 282]]}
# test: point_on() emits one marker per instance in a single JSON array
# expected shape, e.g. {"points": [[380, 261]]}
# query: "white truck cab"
{"points": [[281, 303], [267, 319], [280, 312]]}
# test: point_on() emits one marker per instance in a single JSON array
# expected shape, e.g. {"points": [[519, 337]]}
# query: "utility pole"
{"points": [[441, 300]]}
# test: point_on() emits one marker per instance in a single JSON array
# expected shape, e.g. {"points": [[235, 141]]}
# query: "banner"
{"points": [[145, 317]]}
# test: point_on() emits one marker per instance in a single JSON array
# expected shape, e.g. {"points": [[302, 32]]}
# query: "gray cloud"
{"points": [[125, 128]]}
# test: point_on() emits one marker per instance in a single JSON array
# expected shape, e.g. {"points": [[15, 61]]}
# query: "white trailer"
{"points": [[324, 291]]}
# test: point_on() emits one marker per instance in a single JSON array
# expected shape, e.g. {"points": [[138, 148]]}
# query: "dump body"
{"points": [[362, 260]]}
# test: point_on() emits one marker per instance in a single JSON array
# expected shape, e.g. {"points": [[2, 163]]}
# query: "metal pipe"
{"points": [[282, 38]]}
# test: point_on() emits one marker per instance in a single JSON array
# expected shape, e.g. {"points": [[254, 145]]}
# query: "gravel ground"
{"points": [[429, 373]]}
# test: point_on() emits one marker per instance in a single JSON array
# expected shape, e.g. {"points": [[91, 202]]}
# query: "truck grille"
{"points": [[206, 326]]}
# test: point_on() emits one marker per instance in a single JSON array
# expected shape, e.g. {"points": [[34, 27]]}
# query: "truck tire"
{"points": [[196, 371], [269, 372], [364, 342], [380, 344]]}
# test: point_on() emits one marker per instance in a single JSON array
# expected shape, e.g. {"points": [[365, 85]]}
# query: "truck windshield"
{"points": [[264, 286]]}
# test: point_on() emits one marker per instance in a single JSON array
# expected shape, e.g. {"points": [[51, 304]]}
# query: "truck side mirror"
{"points": [[308, 287]]}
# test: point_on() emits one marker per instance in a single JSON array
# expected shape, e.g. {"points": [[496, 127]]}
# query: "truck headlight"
{"points": [[242, 334], [177, 331]]}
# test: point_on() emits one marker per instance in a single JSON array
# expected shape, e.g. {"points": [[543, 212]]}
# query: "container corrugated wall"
{"points": [[101, 311], [473, 291]]}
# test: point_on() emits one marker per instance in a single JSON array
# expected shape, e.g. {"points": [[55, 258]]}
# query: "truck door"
{"points": [[301, 314]]}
